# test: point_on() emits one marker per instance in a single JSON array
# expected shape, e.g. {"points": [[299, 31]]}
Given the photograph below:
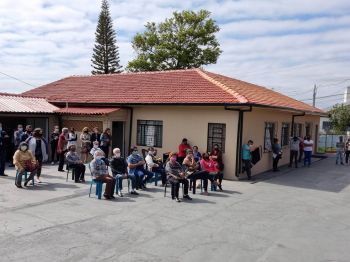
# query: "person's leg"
{"points": [[346, 157], [82, 174], [133, 179], [291, 155], [305, 158], [119, 178], [296, 158], [203, 175], [274, 163], [186, 184], [148, 175], [19, 178], [53, 153], [2, 162], [31, 176], [342, 158], [61, 161], [38, 170], [110, 185], [139, 176], [301, 152], [247, 168], [162, 173]]}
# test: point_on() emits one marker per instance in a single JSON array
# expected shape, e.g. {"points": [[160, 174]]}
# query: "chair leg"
{"points": [[155, 179], [73, 174], [67, 175], [90, 188]]}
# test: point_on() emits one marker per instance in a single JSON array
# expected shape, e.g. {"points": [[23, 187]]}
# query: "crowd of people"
{"points": [[187, 166]]}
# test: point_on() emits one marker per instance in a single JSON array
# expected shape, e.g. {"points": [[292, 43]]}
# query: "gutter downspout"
{"points": [[292, 129], [130, 128], [239, 137]]}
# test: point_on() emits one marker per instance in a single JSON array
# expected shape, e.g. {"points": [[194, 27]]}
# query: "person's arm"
{"points": [[140, 163], [149, 161], [17, 162]]}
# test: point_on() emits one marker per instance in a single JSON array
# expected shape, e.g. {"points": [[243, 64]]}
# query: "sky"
{"points": [[288, 46]]}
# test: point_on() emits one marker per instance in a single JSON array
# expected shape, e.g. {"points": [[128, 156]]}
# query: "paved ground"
{"points": [[300, 215]]}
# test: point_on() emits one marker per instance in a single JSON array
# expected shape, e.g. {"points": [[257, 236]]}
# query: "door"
{"points": [[118, 136]]}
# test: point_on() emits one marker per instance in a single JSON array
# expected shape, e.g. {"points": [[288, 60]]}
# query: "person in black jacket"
{"points": [[3, 143], [54, 142], [119, 170], [96, 136], [27, 133]]}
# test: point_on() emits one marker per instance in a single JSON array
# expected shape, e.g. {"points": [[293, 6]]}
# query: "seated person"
{"points": [[24, 160], [193, 172], [176, 175], [211, 167], [73, 161], [120, 171], [155, 165], [136, 167], [99, 172], [216, 156], [196, 154]]}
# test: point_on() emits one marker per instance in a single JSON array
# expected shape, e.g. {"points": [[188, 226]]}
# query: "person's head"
{"points": [[72, 130], [38, 132], [98, 154], [96, 131], [72, 148], [275, 140], [23, 146], [189, 152], [340, 139], [85, 130], [250, 142], [195, 149], [151, 151], [134, 151], [307, 138], [29, 128], [184, 141], [295, 138], [65, 130], [205, 156], [108, 131], [116, 152], [95, 144], [216, 147], [173, 157], [19, 127]]}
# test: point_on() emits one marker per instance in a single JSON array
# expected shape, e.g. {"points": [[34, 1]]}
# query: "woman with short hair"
{"points": [[85, 138], [105, 141]]}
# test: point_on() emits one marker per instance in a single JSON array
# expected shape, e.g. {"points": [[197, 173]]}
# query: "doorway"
{"points": [[118, 139]]}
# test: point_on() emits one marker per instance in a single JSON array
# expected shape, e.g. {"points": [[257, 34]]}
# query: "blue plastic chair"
{"points": [[25, 176], [98, 185]]}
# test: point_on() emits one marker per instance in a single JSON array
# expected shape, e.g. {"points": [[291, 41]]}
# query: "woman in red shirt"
{"points": [[210, 166], [183, 147]]}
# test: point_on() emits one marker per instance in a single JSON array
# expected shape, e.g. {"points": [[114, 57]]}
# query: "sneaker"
{"points": [[177, 199], [52, 163], [134, 193], [38, 180], [120, 194], [25, 183], [19, 186], [188, 197]]}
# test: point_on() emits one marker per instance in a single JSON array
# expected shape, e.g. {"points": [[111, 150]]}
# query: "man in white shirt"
{"points": [[155, 167], [308, 145]]}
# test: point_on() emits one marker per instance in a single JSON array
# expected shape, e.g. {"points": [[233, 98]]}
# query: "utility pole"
{"points": [[314, 96]]}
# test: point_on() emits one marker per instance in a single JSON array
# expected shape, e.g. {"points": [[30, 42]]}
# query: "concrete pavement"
{"points": [[300, 215]]}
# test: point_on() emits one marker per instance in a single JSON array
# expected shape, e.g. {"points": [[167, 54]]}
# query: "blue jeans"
{"points": [[340, 156], [307, 157], [143, 176], [119, 180]]}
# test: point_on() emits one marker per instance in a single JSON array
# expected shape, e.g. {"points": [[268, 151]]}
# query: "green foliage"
{"points": [[186, 40], [340, 118], [105, 58]]}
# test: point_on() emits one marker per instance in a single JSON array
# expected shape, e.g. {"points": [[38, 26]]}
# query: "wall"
{"points": [[254, 127], [192, 123]]}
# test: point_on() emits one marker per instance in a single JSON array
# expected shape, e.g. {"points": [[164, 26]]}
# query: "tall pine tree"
{"points": [[105, 59]]}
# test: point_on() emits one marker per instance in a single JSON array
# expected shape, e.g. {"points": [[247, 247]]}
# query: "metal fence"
{"points": [[327, 143]]}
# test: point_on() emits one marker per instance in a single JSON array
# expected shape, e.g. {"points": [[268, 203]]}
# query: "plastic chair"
{"points": [[168, 183], [25, 176], [73, 172], [192, 185], [98, 185]]}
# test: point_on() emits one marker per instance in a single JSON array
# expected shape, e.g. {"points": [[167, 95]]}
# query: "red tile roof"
{"points": [[192, 86], [86, 110], [14, 103]]}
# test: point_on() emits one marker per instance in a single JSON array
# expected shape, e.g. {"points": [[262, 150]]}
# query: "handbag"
{"points": [[29, 165]]}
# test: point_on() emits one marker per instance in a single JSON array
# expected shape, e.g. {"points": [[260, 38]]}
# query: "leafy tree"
{"points": [[186, 40], [340, 118], [105, 58]]}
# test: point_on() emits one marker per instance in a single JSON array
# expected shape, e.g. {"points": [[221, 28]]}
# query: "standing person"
{"points": [[24, 161], [3, 143], [72, 137], [38, 147], [294, 150], [308, 144], [119, 168], [183, 147], [96, 136], [62, 148], [176, 176], [85, 138], [301, 148], [155, 165], [216, 155], [196, 154], [106, 141], [340, 146], [99, 172], [246, 158], [54, 142], [73, 161], [276, 154], [17, 136], [347, 151], [27, 133]]}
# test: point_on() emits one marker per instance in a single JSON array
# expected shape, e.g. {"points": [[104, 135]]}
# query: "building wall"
{"points": [[254, 128], [192, 123]]}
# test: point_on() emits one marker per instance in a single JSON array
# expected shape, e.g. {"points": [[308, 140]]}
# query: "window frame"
{"points": [[142, 136], [285, 137], [212, 140], [272, 134]]}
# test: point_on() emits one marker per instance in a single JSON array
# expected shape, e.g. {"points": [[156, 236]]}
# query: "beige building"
{"points": [[160, 108]]}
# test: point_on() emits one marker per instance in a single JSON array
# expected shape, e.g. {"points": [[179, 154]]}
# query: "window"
{"points": [[149, 133], [298, 130], [285, 134], [268, 136], [327, 125], [308, 129], [216, 135]]}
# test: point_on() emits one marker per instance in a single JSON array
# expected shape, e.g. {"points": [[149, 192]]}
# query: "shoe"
{"points": [[38, 180], [112, 197], [220, 187], [19, 186], [205, 193], [61, 170], [134, 193], [52, 163], [177, 200], [82, 180], [144, 186], [106, 197], [188, 197], [120, 194]]}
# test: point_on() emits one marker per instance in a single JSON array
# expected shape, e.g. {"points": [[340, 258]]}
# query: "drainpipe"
{"points": [[292, 129], [130, 129], [239, 137]]}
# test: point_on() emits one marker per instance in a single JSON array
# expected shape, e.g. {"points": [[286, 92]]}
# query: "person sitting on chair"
{"points": [[120, 171], [95, 148], [24, 161], [155, 165], [136, 166], [210, 166], [73, 161], [176, 175], [193, 172], [100, 173]]}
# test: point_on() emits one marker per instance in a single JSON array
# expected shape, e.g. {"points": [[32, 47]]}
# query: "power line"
{"points": [[322, 97], [24, 82], [334, 83]]}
